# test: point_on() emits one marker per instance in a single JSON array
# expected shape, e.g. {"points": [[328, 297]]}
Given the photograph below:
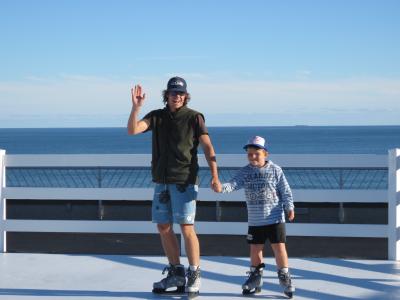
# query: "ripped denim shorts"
{"points": [[174, 203]]}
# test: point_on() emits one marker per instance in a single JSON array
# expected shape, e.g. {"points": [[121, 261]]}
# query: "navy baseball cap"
{"points": [[176, 84]]}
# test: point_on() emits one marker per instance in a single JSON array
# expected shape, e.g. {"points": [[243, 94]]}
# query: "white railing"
{"points": [[394, 205], [391, 196]]}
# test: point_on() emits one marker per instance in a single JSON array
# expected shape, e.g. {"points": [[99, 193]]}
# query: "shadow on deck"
{"points": [[55, 276]]}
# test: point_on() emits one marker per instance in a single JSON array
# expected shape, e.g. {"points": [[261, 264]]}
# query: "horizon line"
{"points": [[211, 126]]}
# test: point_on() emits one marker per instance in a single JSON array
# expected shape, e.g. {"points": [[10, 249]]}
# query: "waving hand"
{"points": [[137, 96]]}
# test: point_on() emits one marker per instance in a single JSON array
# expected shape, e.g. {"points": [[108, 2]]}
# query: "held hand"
{"points": [[291, 215], [137, 97], [216, 185]]}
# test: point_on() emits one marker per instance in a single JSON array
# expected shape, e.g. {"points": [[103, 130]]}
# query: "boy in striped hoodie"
{"points": [[268, 197]]}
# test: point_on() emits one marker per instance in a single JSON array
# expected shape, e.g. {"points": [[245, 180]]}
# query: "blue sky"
{"points": [[71, 63]]}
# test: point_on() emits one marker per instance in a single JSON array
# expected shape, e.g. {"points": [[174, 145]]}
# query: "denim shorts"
{"points": [[174, 203]]}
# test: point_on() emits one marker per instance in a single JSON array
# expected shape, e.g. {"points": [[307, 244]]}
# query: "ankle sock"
{"points": [[284, 270], [193, 267]]}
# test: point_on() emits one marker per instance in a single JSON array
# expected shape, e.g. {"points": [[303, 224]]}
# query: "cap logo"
{"points": [[258, 140], [177, 83]]}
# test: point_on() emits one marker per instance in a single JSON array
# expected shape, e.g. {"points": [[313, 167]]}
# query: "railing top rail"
{"points": [[224, 160]]}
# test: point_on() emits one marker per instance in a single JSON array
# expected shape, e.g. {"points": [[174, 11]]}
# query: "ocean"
{"points": [[226, 140], [281, 140]]}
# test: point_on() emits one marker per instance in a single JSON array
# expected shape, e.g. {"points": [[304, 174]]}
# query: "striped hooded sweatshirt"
{"points": [[267, 191]]}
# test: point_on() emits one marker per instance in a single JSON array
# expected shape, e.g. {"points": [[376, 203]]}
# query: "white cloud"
{"points": [[303, 74], [102, 100], [298, 96], [66, 94], [171, 58]]}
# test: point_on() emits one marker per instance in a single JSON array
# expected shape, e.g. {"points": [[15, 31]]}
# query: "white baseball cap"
{"points": [[256, 141]]}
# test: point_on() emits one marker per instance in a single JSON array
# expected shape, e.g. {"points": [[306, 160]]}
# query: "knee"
{"points": [[187, 230], [280, 249], [165, 229]]}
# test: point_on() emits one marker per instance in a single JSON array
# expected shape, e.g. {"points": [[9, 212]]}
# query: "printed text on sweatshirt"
{"points": [[267, 192]]}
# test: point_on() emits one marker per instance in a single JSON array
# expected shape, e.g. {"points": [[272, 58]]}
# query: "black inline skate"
{"points": [[285, 281], [254, 282], [193, 283], [175, 278]]}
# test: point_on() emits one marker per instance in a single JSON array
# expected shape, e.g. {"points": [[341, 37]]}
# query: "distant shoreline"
{"points": [[219, 126]]}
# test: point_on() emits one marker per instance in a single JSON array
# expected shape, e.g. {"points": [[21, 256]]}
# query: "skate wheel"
{"points": [[179, 290], [246, 292], [251, 292], [158, 291], [192, 295], [289, 294]]}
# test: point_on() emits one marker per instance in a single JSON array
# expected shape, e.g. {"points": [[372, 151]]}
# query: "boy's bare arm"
{"points": [[211, 160], [135, 126]]}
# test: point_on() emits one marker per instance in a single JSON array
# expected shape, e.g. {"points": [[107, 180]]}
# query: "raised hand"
{"points": [[137, 96]]}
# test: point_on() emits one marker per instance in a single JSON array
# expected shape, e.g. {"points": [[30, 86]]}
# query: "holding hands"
{"points": [[216, 185], [291, 215]]}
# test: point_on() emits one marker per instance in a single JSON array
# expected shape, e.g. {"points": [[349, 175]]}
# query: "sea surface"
{"points": [[281, 140]]}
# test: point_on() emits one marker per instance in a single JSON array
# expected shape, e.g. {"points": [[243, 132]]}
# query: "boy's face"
{"points": [[256, 156]]}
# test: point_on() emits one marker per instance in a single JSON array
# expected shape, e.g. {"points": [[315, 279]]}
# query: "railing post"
{"points": [[100, 202], [341, 206], [394, 205], [3, 247]]}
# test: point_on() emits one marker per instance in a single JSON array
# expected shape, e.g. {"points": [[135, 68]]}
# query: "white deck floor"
{"points": [[50, 276]]}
